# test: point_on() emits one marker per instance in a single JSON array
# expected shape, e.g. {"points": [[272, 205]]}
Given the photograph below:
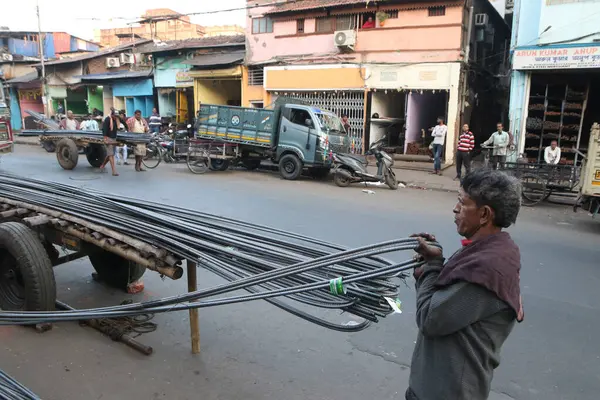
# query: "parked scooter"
{"points": [[168, 145], [350, 168]]}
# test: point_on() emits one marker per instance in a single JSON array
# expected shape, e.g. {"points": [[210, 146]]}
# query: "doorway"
{"points": [[422, 111]]}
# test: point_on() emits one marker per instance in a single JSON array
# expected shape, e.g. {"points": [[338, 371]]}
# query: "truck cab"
{"points": [[307, 136]]}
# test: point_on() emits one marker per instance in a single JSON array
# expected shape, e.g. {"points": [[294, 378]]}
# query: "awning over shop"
{"points": [[115, 75], [27, 78], [216, 60], [222, 73]]}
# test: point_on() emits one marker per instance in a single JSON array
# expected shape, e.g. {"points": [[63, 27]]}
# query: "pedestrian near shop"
{"points": [[466, 144], [467, 306], [500, 140], [552, 153], [109, 132], [439, 136], [137, 124], [155, 121]]}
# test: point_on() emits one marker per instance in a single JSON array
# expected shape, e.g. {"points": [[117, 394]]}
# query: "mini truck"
{"points": [[293, 135], [589, 191]]}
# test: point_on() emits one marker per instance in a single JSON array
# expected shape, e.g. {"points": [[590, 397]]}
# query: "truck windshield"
{"points": [[330, 122]]}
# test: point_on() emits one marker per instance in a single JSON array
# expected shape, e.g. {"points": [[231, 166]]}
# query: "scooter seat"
{"points": [[356, 157]]}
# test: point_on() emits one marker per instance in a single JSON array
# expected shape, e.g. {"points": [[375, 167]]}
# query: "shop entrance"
{"points": [[422, 111], [388, 112]]}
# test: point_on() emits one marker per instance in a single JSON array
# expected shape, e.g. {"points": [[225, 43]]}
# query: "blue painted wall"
{"points": [[15, 110], [23, 47], [49, 51], [142, 87]]}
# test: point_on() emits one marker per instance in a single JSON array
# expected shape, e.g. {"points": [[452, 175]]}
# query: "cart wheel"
{"points": [[290, 167], [197, 165], [533, 189], [251, 164], [26, 276], [390, 179], [96, 154], [67, 153], [153, 157], [49, 146], [115, 270], [218, 164]]}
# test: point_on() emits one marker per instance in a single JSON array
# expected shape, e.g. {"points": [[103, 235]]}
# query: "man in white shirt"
{"points": [[439, 136], [500, 140], [552, 153], [89, 124]]}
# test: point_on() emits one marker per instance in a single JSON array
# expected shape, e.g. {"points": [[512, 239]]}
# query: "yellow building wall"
{"points": [[216, 91], [251, 93]]}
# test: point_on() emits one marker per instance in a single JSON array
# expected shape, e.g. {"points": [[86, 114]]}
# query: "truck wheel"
{"points": [[217, 164], [319, 173], [26, 277], [251, 164], [115, 270], [290, 167], [67, 154], [96, 154]]}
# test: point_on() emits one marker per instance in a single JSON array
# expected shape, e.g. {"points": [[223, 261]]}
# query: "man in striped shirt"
{"points": [[466, 144], [155, 121]]}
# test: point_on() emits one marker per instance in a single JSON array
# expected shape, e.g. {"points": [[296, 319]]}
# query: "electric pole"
{"points": [[41, 46]]}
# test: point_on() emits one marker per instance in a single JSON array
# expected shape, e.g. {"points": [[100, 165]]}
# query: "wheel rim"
{"points": [[289, 167], [65, 153], [12, 288], [152, 158]]}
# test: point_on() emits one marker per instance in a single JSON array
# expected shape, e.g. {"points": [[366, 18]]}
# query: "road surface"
{"points": [[256, 351]]}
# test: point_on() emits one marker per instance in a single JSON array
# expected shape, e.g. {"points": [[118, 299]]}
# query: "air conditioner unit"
{"points": [[481, 19], [345, 39], [127, 58], [112, 62], [7, 57]]}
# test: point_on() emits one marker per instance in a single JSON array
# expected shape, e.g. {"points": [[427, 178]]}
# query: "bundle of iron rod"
{"points": [[271, 264], [121, 136], [13, 390]]}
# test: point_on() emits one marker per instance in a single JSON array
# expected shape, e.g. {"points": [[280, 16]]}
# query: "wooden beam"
{"points": [[192, 277]]}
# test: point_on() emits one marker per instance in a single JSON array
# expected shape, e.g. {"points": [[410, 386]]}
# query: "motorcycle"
{"points": [[176, 138], [349, 168]]}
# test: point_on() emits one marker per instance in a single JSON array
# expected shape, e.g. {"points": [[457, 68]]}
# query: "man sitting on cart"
{"points": [[137, 124]]}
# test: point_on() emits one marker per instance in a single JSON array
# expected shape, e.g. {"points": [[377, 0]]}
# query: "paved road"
{"points": [[255, 351]]}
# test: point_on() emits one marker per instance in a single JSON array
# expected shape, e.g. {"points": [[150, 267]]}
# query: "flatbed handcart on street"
{"points": [[205, 154]]}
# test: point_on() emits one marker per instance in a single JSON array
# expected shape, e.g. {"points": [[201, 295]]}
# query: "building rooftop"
{"points": [[96, 54], [195, 43], [305, 5]]}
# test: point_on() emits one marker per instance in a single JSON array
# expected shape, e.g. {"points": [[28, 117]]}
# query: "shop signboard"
{"points": [[557, 58], [183, 79]]}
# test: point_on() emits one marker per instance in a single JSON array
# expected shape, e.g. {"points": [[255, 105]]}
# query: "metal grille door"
{"points": [[351, 103]]}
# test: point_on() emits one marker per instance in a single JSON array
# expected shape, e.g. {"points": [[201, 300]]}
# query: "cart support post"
{"points": [[194, 322]]}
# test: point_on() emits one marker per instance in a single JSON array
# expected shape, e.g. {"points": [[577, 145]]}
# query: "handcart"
{"points": [[215, 155]]}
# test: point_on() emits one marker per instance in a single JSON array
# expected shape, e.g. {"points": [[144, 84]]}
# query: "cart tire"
{"points": [[197, 165], [96, 154], [153, 157], [49, 146], [319, 173], [217, 164], [251, 164], [67, 153], [390, 179], [26, 277], [115, 270], [533, 189], [290, 167]]}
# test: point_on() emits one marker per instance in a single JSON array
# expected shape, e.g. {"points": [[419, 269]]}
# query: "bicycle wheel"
{"points": [[153, 156], [198, 165], [534, 189]]}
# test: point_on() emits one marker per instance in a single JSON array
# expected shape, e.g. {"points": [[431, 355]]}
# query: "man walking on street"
{"points": [[137, 124], [500, 140], [109, 131], [439, 136], [466, 144], [467, 306]]}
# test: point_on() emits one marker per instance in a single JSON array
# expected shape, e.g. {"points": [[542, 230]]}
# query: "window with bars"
{"points": [[262, 25], [300, 26], [341, 23], [256, 76], [437, 11]]}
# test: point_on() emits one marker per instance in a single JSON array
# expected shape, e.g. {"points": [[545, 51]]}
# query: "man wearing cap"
{"points": [[137, 124]]}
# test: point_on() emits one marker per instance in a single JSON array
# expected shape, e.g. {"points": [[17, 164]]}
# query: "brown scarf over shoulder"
{"points": [[493, 262]]}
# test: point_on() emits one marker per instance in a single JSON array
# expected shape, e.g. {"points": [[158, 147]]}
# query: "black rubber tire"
{"points": [[67, 154], [27, 281], [534, 189], [340, 180], [49, 146], [290, 167], [217, 164], [319, 173], [115, 270], [390, 179], [153, 157], [197, 165], [251, 164], [95, 154]]}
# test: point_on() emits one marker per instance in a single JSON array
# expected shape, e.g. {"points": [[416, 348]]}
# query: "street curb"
{"points": [[26, 142]]}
